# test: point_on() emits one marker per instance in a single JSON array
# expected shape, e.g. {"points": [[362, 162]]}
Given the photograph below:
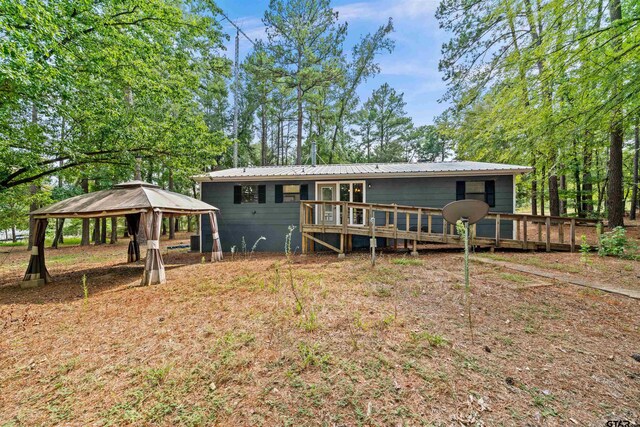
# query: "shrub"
{"points": [[616, 243]]}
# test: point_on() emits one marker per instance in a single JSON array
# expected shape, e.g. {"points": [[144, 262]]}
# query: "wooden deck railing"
{"points": [[423, 224]]}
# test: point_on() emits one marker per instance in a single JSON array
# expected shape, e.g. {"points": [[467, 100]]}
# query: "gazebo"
{"points": [[142, 204]]}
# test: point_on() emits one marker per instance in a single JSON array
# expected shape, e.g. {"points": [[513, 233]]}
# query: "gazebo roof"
{"points": [[125, 198]]}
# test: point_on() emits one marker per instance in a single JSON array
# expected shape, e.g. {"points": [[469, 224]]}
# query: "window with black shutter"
{"points": [[460, 190], [304, 192], [490, 193], [262, 194], [237, 194], [279, 194]]}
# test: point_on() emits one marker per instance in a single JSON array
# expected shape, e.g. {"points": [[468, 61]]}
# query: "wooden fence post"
{"points": [[548, 227]]}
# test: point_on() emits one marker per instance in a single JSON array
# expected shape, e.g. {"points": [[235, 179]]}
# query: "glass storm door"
{"points": [[357, 195], [327, 212]]}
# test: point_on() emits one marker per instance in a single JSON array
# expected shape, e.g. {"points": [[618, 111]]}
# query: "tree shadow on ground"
{"points": [[67, 286]]}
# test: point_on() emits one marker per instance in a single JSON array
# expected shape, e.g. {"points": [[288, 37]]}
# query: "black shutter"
{"points": [[262, 194], [490, 193], [460, 190], [279, 195], [237, 194], [304, 192]]}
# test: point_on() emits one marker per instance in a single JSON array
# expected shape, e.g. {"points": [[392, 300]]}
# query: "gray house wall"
{"points": [[272, 220]]}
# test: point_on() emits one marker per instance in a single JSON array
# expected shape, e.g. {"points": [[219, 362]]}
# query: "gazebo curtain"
{"points": [[37, 268], [216, 248], [151, 222], [133, 227]]}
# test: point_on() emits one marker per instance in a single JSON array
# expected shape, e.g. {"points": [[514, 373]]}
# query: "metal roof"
{"points": [[128, 197], [363, 170]]}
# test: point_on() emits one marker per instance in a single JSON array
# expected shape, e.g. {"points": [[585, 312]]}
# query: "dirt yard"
{"points": [[318, 341]]}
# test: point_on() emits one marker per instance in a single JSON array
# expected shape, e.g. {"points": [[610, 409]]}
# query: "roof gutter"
{"points": [[205, 178]]}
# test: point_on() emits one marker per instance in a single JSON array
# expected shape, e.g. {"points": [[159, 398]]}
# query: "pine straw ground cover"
{"points": [[234, 344]]}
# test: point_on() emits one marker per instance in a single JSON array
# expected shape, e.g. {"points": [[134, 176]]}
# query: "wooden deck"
{"points": [[414, 226]]}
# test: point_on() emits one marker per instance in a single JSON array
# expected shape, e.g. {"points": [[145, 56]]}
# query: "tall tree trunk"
{"points": [[96, 232], [33, 188], [615, 197], [13, 233], [587, 182], [263, 136], [576, 178], [554, 197], [59, 231], [534, 188], [544, 173], [103, 232], [563, 196], [634, 189], [172, 228], [114, 230], [299, 135], [84, 183]]}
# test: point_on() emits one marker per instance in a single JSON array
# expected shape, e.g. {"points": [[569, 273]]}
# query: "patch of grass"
{"points": [[516, 278], [434, 340], [310, 320], [423, 342], [504, 340], [156, 376], [590, 292], [382, 290], [542, 399], [406, 261], [68, 366], [381, 274], [311, 355]]}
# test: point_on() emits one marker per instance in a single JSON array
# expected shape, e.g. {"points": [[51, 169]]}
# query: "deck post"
{"points": [[345, 217], [518, 230], [548, 227], [498, 231], [524, 233], [415, 249], [429, 222], [444, 230], [303, 221], [395, 225], [572, 232], [419, 224]]}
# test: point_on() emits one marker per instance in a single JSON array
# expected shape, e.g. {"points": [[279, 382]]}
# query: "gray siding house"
{"points": [[265, 201]]}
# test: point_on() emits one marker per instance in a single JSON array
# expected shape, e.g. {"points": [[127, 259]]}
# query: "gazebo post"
{"points": [[37, 274], [154, 266], [216, 247]]}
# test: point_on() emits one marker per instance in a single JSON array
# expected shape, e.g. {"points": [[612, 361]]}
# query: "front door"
{"points": [[327, 213], [340, 192]]}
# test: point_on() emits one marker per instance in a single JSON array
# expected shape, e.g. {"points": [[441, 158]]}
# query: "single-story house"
{"points": [[265, 201]]}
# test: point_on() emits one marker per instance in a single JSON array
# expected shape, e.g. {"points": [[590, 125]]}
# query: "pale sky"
{"points": [[412, 68]]}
